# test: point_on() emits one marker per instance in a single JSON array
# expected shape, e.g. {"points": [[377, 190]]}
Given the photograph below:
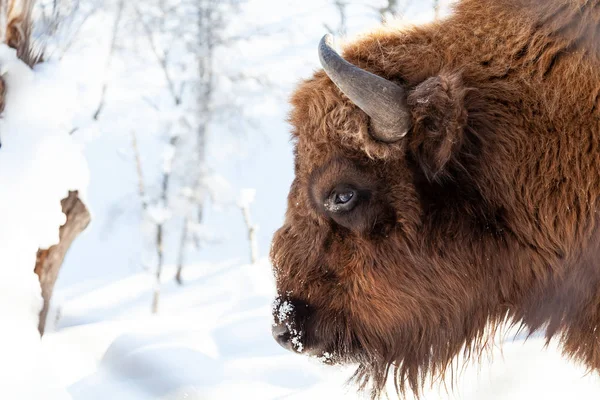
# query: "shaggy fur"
{"points": [[486, 211]]}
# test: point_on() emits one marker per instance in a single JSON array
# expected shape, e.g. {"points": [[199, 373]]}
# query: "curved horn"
{"points": [[380, 99]]}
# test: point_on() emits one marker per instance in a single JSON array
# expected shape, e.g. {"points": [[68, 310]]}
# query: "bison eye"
{"points": [[341, 199]]}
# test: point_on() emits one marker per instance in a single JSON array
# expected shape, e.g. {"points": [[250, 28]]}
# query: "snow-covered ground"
{"points": [[211, 338], [39, 164]]}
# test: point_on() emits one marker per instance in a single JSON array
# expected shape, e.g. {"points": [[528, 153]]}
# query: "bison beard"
{"points": [[404, 248]]}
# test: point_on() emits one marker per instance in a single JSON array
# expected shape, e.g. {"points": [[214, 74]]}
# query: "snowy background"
{"points": [[139, 67]]}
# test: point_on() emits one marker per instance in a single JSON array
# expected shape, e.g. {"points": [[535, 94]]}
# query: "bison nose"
{"points": [[283, 336]]}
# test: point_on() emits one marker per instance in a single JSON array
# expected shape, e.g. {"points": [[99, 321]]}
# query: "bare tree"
{"points": [[342, 29], [59, 22], [181, 253], [246, 199], [192, 31], [211, 19], [390, 9], [181, 39], [393, 9], [208, 23], [156, 209], [113, 45], [158, 221]]}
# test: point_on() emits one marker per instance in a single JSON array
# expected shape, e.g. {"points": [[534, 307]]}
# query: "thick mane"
{"points": [[495, 191]]}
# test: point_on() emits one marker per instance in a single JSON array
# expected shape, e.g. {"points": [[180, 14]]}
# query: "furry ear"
{"points": [[439, 118]]}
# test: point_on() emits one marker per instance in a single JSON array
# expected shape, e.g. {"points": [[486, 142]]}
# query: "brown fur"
{"points": [[486, 210]]}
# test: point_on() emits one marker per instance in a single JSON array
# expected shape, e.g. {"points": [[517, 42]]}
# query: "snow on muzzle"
{"points": [[289, 326]]}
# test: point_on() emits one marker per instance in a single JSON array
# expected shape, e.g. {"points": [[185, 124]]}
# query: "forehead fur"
{"points": [[325, 121]]}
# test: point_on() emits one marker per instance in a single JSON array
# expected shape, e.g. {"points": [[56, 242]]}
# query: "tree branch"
{"points": [[50, 260], [161, 59], [113, 45]]}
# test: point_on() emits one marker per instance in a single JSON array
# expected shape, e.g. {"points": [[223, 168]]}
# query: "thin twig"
{"points": [[162, 60], [251, 233], [140, 175], [113, 45], [69, 42], [341, 7]]}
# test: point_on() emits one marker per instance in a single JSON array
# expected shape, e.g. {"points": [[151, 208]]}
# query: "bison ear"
{"points": [[439, 118]]}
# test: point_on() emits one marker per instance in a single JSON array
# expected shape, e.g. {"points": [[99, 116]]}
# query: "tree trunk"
{"points": [[50, 260], [251, 234], [181, 256], [2, 93]]}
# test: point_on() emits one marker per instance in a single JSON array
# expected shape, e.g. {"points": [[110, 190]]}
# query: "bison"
{"points": [[447, 181]]}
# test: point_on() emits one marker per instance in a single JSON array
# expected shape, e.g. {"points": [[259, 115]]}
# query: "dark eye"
{"points": [[341, 199], [344, 197]]}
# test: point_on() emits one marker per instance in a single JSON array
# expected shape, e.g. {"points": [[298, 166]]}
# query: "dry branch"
{"points": [[18, 31], [49, 261]]}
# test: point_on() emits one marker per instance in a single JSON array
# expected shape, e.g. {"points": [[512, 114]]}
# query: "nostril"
{"points": [[282, 335]]}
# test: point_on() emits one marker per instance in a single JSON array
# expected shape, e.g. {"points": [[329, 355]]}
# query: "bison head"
{"points": [[364, 263], [412, 222]]}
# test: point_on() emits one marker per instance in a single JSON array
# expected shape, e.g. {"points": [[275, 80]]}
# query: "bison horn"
{"points": [[382, 100]]}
